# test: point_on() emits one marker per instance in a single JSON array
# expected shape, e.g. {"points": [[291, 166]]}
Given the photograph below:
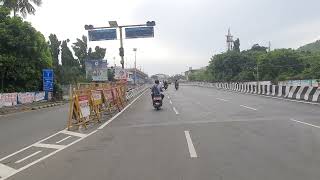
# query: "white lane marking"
{"points": [[5, 170], [49, 146], [292, 100], [48, 155], [71, 133], [23, 149], [31, 155], [168, 97], [63, 139], [192, 150], [305, 123], [248, 107], [114, 117], [170, 102], [222, 99], [175, 110]]}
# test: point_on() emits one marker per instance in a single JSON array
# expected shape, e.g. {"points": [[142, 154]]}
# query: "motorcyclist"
{"points": [[165, 84], [176, 84], [156, 89]]}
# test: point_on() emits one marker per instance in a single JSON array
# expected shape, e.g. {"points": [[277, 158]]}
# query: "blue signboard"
{"points": [[139, 32], [47, 75], [102, 34]]}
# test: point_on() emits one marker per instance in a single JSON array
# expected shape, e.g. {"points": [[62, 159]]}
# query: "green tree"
{"points": [[99, 53], [54, 45], [67, 58], [80, 49], [23, 7], [24, 52]]}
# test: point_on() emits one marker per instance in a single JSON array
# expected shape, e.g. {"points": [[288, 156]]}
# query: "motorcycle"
{"points": [[157, 102], [177, 87], [165, 86]]}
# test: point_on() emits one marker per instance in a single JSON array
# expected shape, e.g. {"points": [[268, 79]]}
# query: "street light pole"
{"points": [[258, 86], [135, 65]]}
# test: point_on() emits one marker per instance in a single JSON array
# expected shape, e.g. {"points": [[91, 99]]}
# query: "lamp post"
{"points": [[135, 65]]}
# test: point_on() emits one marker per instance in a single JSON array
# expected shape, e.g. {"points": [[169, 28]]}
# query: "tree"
{"points": [[80, 49], [236, 45], [24, 52], [24, 7], [67, 58], [99, 53], [257, 47]]}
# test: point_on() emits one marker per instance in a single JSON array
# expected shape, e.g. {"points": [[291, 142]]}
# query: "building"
{"points": [[141, 77], [160, 77]]}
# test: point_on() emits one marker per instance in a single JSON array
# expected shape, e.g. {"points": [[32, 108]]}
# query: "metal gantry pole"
{"points": [[121, 52], [135, 65]]}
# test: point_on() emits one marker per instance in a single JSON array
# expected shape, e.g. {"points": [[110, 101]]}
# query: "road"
{"points": [[200, 133]]}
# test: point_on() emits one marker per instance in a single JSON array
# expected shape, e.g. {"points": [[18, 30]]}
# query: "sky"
{"points": [[187, 32]]}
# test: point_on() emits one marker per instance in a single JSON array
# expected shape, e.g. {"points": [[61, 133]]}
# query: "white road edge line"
{"points": [[31, 155], [175, 110], [23, 149], [63, 139], [292, 100], [248, 107], [114, 117], [192, 150], [170, 102], [222, 99], [6, 170], [305, 123], [48, 155]]}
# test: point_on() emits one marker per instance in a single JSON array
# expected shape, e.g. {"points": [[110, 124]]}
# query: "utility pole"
{"points": [[258, 86], [135, 65]]}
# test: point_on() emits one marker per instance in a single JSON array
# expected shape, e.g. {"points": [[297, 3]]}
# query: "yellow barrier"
{"points": [[90, 100]]}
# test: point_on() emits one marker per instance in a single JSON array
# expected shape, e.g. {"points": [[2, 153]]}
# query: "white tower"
{"points": [[229, 41]]}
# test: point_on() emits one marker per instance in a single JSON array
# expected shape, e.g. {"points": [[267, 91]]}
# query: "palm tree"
{"points": [[24, 7]]}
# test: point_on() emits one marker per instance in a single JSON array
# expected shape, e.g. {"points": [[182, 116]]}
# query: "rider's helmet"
{"points": [[156, 81]]}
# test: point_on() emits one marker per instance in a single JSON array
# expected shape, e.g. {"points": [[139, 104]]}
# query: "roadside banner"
{"points": [[24, 98], [8, 99], [84, 105], [120, 74], [96, 70], [39, 96]]}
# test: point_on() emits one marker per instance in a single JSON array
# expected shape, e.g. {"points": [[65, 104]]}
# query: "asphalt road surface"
{"points": [[200, 134]]}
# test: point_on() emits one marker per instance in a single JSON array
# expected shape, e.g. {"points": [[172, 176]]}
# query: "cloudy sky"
{"points": [[187, 32]]}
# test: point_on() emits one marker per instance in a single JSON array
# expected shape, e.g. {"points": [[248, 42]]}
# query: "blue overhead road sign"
{"points": [[139, 32], [102, 34]]}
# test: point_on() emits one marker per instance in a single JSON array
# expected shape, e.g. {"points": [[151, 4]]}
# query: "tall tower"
{"points": [[229, 41]]}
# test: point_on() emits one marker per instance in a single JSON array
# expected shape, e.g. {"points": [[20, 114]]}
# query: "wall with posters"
{"points": [[8, 99], [12, 99]]}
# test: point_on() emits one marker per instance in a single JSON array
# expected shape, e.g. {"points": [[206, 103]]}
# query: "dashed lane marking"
{"points": [[192, 150], [175, 110], [222, 99], [308, 124], [248, 107]]}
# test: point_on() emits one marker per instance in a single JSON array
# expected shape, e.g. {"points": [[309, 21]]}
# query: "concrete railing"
{"points": [[306, 93], [131, 93]]}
